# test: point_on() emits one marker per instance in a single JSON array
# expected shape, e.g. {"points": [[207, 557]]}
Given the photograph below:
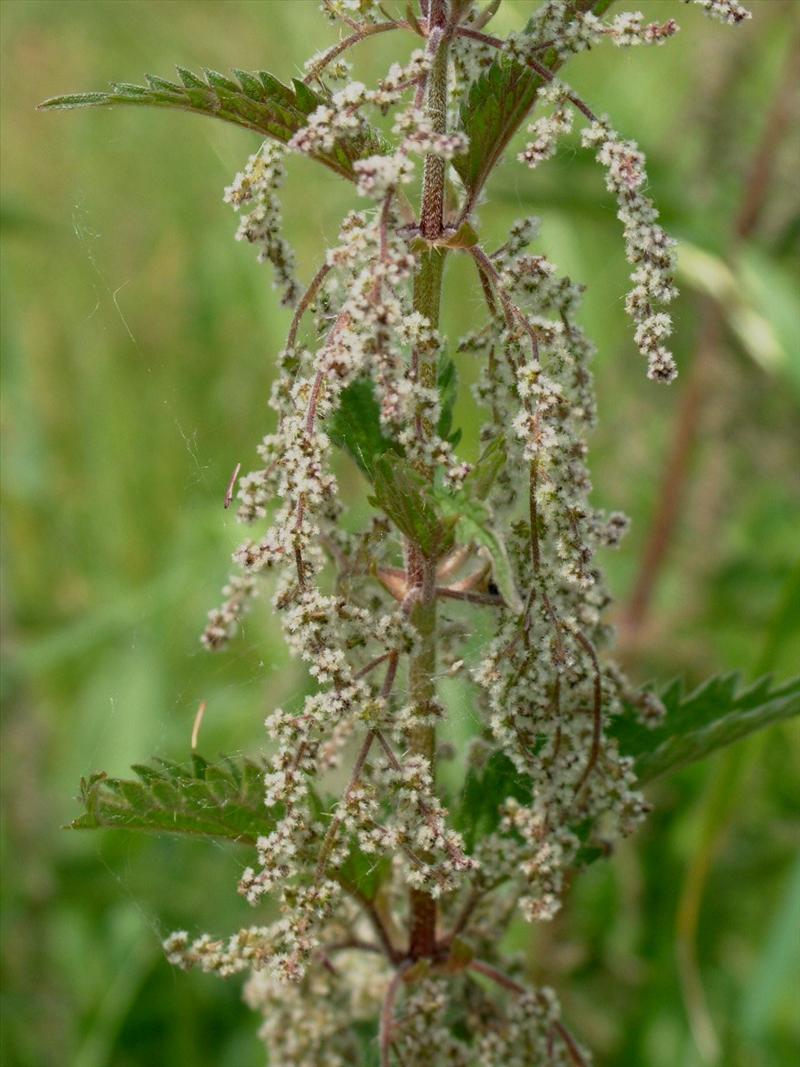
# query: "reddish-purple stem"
{"points": [[355, 38], [387, 1014]]}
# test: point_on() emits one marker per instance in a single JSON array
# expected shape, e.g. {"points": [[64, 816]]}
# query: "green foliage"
{"points": [[497, 104], [410, 502], [256, 101], [405, 497], [714, 715], [447, 383], [475, 524], [356, 426], [758, 299], [711, 717], [482, 477], [222, 800]]}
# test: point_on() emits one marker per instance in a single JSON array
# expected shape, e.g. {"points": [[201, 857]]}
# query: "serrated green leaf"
{"points": [[125, 88], [356, 426], [483, 475], [219, 81], [257, 102], [223, 801], [447, 383], [410, 502], [72, 100], [497, 105], [714, 715], [307, 99], [251, 84], [190, 80], [162, 85], [485, 789], [276, 90]]}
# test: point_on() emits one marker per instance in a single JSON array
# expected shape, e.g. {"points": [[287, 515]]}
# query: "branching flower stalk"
{"points": [[392, 897]]}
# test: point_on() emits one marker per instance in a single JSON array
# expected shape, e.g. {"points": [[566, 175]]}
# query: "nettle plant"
{"points": [[392, 893]]}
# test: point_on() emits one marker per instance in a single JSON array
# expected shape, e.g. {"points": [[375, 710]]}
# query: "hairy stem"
{"points": [[336, 50], [433, 192], [421, 570]]}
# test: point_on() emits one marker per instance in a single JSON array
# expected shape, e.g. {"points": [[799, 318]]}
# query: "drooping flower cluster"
{"points": [[647, 246], [223, 621], [362, 848], [548, 698], [257, 187], [731, 12], [628, 29], [570, 31], [548, 128]]}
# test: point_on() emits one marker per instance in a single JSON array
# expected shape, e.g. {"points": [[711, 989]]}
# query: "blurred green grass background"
{"points": [[138, 340]]}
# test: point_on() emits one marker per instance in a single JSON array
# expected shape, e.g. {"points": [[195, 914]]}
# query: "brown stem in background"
{"points": [[675, 474], [387, 1014], [379, 926], [677, 469], [777, 125], [464, 916]]}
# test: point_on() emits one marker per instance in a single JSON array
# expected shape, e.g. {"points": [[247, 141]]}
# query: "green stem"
{"points": [[422, 570], [422, 597], [422, 741]]}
